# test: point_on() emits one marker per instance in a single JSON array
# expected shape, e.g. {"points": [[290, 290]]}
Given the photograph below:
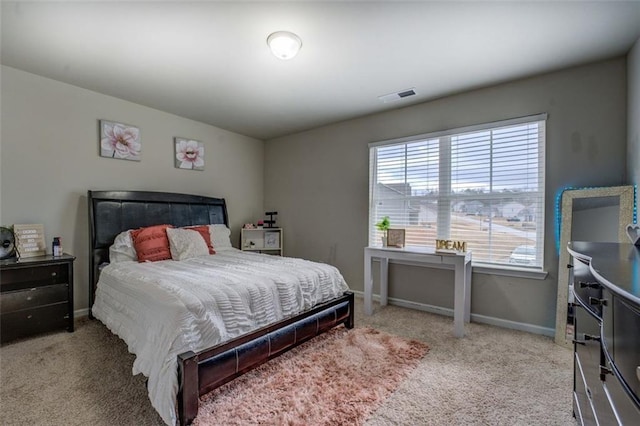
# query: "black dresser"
{"points": [[605, 303], [36, 295]]}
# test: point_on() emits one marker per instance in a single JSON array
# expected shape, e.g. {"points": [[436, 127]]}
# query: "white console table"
{"points": [[427, 257]]}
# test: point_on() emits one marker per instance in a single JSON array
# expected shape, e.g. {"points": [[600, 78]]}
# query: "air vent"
{"points": [[391, 97]]}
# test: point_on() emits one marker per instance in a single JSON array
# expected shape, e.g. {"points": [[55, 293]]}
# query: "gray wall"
{"points": [[49, 158], [633, 114], [318, 180]]}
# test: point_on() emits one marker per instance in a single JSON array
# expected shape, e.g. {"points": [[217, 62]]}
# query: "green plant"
{"points": [[384, 224]]}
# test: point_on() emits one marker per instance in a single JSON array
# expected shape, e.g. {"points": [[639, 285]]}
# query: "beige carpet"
{"points": [[493, 376]]}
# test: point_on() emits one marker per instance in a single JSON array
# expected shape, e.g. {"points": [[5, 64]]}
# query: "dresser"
{"points": [[605, 313], [36, 296]]}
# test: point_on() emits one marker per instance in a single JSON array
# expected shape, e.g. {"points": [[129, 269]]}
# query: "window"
{"points": [[480, 184]]}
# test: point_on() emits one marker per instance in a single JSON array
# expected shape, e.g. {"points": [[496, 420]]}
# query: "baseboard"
{"points": [[79, 313], [483, 319]]}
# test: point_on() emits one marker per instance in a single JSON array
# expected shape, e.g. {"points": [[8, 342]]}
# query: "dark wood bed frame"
{"points": [[112, 212]]}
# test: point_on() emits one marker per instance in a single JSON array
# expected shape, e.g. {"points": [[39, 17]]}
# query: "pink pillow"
{"points": [[151, 243], [204, 231]]}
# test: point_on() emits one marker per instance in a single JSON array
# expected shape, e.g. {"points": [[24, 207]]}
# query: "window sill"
{"points": [[509, 271]]}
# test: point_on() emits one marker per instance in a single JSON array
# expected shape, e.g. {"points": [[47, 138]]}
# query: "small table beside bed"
{"points": [[196, 323]]}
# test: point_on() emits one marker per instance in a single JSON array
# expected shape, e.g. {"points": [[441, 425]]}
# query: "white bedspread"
{"points": [[162, 309]]}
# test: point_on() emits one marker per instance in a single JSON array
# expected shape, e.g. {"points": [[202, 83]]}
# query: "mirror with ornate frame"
{"points": [[616, 203]]}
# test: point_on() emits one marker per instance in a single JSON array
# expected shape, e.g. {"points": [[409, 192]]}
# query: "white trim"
{"points": [[514, 325], [466, 129], [79, 313], [506, 271], [483, 319]]}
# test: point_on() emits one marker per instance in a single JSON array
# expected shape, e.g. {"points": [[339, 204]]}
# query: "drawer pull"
{"points": [[29, 316], [586, 338], [569, 266], [589, 285], [596, 301], [53, 274], [29, 298]]}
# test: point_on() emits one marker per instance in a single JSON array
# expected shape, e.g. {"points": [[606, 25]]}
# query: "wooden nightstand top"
{"points": [[36, 260]]}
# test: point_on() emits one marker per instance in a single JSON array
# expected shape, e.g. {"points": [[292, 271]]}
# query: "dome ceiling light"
{"points": [[284, 44]]}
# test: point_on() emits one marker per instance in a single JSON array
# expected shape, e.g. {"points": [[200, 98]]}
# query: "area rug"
{"points": [[337, 378]]}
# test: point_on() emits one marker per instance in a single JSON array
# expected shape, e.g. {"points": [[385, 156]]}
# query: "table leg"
{"points": [[368, 285], [384, 280], [467, 292], [459, 302]]}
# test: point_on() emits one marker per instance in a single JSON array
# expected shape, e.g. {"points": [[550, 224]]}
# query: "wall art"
{"points": [[118, 140], [189, 154]]}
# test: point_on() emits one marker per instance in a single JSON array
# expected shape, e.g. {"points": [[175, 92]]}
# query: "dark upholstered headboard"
{"points": [[112, 212]]}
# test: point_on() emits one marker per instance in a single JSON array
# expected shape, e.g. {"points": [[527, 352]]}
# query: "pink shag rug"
{"points": [[337, 378]]}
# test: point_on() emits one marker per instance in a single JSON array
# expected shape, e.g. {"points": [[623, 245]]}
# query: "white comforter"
{"points": [[162, 309]]}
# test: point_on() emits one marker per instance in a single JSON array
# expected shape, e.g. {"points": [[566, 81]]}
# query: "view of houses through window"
{"points": [[483, 185]]}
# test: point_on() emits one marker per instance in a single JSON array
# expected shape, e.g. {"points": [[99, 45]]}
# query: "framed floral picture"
{"points": [[189, 154], [119, 140]]}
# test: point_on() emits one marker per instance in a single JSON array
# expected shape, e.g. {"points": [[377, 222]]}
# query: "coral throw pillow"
{"points": [[204, 231], [151, 243]]}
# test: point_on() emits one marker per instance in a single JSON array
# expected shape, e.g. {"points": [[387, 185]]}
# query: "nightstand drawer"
{"points": [[24, 299], [19, 278], [31, 321]]}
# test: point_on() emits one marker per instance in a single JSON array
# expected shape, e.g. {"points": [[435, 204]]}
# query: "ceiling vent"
{"points": [[392, 97]]}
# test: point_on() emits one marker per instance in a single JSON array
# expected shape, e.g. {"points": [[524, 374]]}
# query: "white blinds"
{"points": [[481, 184]]}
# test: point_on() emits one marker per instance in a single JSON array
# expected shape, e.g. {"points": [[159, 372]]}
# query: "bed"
{"points": [[200, 360]]}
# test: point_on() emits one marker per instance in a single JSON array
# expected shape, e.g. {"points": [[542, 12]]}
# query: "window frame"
{"points": [[444, 231]]}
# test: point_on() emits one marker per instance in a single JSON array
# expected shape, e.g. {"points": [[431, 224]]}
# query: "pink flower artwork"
{"points": [[189, 154], [119, 140]]}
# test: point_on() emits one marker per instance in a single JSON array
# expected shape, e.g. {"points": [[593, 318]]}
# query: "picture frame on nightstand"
{"points": [[29, 240], [272, 240]]}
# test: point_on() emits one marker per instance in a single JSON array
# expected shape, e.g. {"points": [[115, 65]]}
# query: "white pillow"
{"points": [[186, 243], [122, 249], [220, 236]]}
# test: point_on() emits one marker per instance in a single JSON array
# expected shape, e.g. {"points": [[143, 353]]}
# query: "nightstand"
{"points": [[262, 240], [36, 295]]}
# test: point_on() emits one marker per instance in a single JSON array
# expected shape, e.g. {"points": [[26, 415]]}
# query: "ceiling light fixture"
{"points": [[284, 44]]}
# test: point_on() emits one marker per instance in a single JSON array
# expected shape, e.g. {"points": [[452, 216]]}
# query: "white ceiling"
{"points": [[209, 61]]}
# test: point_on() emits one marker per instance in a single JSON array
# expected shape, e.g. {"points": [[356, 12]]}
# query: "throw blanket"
{"points": [[161, 309]]}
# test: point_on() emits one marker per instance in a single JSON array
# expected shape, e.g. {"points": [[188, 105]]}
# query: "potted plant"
{"points": [[384, 226]]}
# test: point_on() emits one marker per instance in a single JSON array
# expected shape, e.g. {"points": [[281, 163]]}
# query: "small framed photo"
{"points": [[395, 238], [272, 239], [189, 154], [30, 240], [119, 140]]}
